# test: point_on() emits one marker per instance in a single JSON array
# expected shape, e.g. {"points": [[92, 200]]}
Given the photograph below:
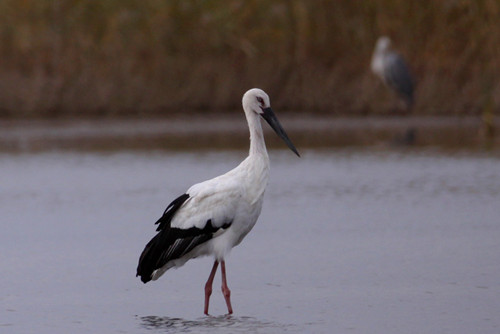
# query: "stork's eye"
{"points": [[260, 100]]}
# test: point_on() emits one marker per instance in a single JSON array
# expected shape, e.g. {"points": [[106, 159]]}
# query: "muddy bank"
{"points": [[230, 132]]}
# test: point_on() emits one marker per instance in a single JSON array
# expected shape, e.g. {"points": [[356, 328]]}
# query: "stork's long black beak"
{"points": [[271, 119]]}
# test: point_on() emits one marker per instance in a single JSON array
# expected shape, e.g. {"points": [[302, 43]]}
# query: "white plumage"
{"points": [[233, 197], [214, 216]]}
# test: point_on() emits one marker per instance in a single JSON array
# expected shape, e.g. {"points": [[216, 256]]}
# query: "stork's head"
{"points": [[257, 101]]}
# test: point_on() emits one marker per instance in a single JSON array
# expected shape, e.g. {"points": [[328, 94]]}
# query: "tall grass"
{"points": [[127, 57]]}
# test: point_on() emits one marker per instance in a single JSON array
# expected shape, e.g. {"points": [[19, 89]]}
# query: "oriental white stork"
{"points": [[214, 216]]}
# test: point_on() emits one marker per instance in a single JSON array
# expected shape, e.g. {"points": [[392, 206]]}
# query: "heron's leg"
{"points": [[225, 290], [208, 285]]}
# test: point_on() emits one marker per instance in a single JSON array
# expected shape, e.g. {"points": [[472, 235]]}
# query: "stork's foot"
{"points": [[208, 287], [227, 296], [225, 290]]}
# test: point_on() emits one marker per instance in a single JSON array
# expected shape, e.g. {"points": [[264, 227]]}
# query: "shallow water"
{"points": [[357, 241]]}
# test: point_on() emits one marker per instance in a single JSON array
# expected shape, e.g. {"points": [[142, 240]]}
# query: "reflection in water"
{"points": [[223, 324]]}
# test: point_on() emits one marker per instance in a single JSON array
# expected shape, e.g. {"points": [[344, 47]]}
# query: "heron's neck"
{"points": [[378, 62], [257, 143]]}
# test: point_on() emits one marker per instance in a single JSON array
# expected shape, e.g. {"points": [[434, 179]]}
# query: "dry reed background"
{"points": [[128, 57]]}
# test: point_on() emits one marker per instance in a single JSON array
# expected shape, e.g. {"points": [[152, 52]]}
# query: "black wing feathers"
{"points": [[170, 211], [172, 243]]}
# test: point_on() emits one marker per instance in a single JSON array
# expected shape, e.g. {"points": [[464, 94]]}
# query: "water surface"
{"points": [[357, 241]]}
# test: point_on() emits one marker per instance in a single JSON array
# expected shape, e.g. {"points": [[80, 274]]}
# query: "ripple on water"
{"points": [[222, 324]]}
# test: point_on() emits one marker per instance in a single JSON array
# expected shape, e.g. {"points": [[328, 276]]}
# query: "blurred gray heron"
{"points": [[391, 68]]}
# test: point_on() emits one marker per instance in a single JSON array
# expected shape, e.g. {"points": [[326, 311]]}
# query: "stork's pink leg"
{"points": [[225, 290], [208, 285]]}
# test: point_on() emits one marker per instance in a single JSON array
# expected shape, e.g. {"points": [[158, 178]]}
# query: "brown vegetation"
{"points": [[128, 57]]}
